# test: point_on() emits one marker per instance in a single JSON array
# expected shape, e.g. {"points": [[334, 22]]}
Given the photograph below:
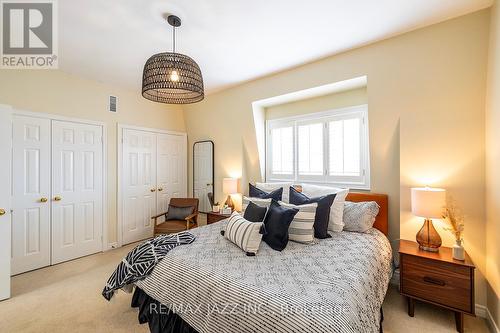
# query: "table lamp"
{"points": [[230, 186], [428, 203]]}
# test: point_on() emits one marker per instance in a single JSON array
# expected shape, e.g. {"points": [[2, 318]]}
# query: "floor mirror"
{"points": [[203, 174]]}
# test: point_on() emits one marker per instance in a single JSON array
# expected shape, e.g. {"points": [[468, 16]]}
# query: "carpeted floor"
{"points": [[66, 298]]}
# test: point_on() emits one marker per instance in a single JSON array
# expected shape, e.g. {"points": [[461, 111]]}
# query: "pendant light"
{"points": [[171, 77]]}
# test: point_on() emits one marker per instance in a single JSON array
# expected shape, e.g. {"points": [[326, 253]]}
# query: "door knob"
{"points": [[152, 190], [43, 200], [2, 211], [57, 198], [160, 189]]}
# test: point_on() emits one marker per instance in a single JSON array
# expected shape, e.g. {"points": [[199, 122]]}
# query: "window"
{"points": [[327, 147]]}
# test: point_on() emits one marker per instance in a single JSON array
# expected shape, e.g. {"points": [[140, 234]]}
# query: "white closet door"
{"points": [[5, 200], [138, 184], [77, 180], [171, 169], [30, 194]]}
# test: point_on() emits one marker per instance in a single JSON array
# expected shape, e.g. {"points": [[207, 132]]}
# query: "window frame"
{"points": [[361, 182]]}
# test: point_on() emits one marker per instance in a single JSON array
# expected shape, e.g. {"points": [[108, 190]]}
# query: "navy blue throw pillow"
{"points": [[277, 222], [255, 192], [322, 212], [255, 213]]}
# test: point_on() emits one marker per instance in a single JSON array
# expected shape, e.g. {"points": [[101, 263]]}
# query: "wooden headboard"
{"points": [[381, 221]]}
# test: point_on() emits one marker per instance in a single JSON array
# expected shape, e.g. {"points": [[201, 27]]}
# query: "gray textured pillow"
{"points": [[360, 216], [178, 213]]}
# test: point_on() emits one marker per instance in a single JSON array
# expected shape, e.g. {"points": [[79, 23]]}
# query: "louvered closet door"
{"points": [[139, 184], [30, 186], [77, 180], [171, 169]]}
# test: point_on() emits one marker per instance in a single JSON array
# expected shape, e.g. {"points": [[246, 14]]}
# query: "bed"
{"points": [[335, 285]]}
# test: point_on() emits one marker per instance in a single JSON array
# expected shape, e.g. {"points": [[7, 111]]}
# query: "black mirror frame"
{"points": [[213, 163]]}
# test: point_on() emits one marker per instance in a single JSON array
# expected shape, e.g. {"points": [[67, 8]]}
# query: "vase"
{"points": [[458, 250]]}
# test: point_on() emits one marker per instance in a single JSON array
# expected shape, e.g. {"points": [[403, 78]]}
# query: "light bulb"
{"points": [[174, 76]]}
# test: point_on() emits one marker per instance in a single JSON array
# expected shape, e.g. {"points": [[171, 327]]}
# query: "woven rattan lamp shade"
{"points": [[172, 78]]}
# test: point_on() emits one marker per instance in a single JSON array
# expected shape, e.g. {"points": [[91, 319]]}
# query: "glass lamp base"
{"points": [[428, 238]]}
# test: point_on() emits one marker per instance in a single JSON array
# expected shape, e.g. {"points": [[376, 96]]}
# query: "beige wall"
{"points": [[492, 168], [317, 104], [59, 93], [426, 93]]}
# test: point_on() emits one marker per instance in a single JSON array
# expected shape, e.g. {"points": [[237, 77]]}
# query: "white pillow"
{"points": [[258, 201], [245, 234], [360, 216], [269, 187], [301, 229], [336, 222]]}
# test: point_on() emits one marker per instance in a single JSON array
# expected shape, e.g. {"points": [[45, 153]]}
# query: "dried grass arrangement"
{"points": [[455, 219]]}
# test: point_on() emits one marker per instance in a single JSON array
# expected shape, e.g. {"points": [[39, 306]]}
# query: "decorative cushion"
{"points": [[301, 229], [259, 202], [245, 234], [178, 213], [360, 216], [269, 187], [322, 216], [336, 223], [254, 192], [255, 213], [277, 222]]}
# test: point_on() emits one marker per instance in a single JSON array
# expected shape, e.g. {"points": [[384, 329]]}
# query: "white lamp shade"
{"points": [[428, 202], [230, 185]]}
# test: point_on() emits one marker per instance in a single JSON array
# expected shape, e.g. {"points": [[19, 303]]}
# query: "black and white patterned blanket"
{"points": [[142, 259], [336, 285]]}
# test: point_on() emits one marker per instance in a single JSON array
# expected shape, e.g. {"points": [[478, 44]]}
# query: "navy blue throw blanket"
{"points": [[140, 262]]}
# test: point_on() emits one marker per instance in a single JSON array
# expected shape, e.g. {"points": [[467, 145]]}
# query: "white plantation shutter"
{"points": [[281, 154], [310, 149], [345, 153], [329, 147]]}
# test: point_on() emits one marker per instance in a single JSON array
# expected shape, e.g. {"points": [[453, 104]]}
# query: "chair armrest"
{"points": [[159, 215], [190, 217]]}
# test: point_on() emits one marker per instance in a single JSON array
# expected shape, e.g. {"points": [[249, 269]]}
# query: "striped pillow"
{"points": [[257, 201], [301, 229], [244, 233]]}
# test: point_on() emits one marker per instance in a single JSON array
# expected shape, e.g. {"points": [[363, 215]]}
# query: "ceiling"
{"points": [[232, 40]]}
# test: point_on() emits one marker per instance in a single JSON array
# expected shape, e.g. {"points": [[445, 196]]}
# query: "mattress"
{"points": [[335, 285]]}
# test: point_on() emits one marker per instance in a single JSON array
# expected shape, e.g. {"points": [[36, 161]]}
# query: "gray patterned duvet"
{"points": [[335, 285]]}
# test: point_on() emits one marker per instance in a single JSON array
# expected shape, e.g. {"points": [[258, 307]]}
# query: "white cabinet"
{"points": [[57, 191], [153, 170]]}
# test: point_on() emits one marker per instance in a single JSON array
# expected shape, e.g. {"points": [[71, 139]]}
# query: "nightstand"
{"points": [[213, 217], [437, 278]]}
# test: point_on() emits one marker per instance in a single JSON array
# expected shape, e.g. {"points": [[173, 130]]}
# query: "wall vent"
{"points": [[113, 103]]}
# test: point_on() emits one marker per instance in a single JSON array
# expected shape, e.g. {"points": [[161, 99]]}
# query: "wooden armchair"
{"points": [[173, 226]]}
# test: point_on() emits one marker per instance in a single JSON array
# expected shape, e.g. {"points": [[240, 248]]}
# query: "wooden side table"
{"points": [[437, 278], [213, 217]]}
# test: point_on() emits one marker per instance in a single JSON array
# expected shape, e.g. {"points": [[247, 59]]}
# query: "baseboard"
{"points": [[481, 311], [491, 323], [395, 278], [112, 246]]}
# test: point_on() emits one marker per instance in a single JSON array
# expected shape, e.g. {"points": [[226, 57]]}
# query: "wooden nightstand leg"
{"points": [[411, 307], [459, 321]]}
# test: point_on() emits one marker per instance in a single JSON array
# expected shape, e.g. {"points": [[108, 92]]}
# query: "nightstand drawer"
{"points": [[442, 283]]}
